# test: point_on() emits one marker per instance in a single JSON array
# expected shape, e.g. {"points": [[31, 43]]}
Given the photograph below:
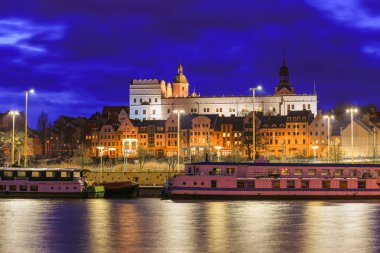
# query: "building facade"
{"points": [[153, 99]]}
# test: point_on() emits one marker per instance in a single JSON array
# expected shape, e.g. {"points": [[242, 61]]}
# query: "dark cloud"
{"points": [[80, 55]]}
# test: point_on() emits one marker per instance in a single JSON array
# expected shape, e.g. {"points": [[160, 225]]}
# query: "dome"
{"points": [[180, 77]]}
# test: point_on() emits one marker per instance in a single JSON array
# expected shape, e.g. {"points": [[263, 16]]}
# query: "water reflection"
{"points": [[153, 225]]}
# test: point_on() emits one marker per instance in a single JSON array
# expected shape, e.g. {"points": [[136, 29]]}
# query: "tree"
{"points": [[143, 156], [6, 143], [171, 161], [41, 128], [336, 152]]}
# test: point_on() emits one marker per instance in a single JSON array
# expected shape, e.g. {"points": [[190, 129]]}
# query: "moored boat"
{"points": [[124, 189], [263, 180], [47, 183]]}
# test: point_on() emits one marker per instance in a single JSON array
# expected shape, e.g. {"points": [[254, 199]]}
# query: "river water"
{"points": [[154, 225]]}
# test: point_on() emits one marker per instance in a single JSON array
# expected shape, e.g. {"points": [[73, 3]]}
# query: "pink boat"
{"points": [[263, 180]]}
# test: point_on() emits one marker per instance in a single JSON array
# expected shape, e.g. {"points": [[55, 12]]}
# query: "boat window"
{"points": [[184, 183], [13, 188], [77, 174], [362, 184], [3, 187], [251, 184], [353, 173], [276, 184], [36, 174], [326, 184], [50, 173], [213, 184], [290, 184], [377, 172], [23, 188], [325, 173], [240, 184], [284, 172], [273, 173], [21, 173], [8, 173], [217, 171], [65, 174], [230, 171], [343, 184], [34, 188], [195, 183], [311, 172], [298, 172], [304, 184], [338, 172], [189, 170]]}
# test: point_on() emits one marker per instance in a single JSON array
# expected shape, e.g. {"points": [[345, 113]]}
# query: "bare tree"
{"points": [[171, 161], [143, 156]]}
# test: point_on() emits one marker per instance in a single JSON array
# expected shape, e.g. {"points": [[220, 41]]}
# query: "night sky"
{"points": [[81, 54]]}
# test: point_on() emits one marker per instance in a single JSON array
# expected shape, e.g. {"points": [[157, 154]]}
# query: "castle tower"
{"points": [[163, 89], [180, 84], [284, 86], [169, 91]]}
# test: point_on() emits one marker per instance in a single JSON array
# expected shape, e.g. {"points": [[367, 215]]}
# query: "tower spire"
{"points": [[315, 90]]}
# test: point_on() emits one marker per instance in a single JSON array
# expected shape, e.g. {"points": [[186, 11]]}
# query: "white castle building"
{"points": [[152, 99]]}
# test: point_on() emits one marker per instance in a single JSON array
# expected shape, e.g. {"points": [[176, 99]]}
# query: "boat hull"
{"points": [[126, 189]]}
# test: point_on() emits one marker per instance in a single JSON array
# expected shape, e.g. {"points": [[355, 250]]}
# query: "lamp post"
{"points": [[32, 91], [315, 152], [178, 112], [253, 121], [328, 117], [218, 148], [13, 113], [101, 149], [352, 110]]}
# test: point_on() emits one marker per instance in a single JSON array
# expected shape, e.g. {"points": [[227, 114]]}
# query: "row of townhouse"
{"points": [[297, 134]]}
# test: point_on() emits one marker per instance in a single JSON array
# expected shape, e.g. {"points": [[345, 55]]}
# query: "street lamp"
{"points": [[328, 117], [352, 110], [218, 148], [31, 91], [101, 149], [178, 112], [13, 113], [315, 152], [253, 121]]}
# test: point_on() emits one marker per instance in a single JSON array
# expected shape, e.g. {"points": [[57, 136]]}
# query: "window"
{"points": [[12, 188], [276, 184], [168, 110], [251, 184], [304, 184], [50, 174], [290, 184], [352, 173], [311, 172], [240, 184], [134, 100], [144, 111], [326, 184], [136, 112], [343, 184], [23, 188], [338, 172], [284, 172], [3, 187], [155, 100], [298, 172], [21, 173], [65, 174], [362, 184], [36, 173], [154, 112], [213, 184], [325, 173], [8, 173]]}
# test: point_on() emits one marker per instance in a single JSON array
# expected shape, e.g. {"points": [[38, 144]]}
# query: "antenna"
{"points": [[315, 91]]}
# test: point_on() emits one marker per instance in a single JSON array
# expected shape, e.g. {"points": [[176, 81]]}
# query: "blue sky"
{"points": [[81, 54]]}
